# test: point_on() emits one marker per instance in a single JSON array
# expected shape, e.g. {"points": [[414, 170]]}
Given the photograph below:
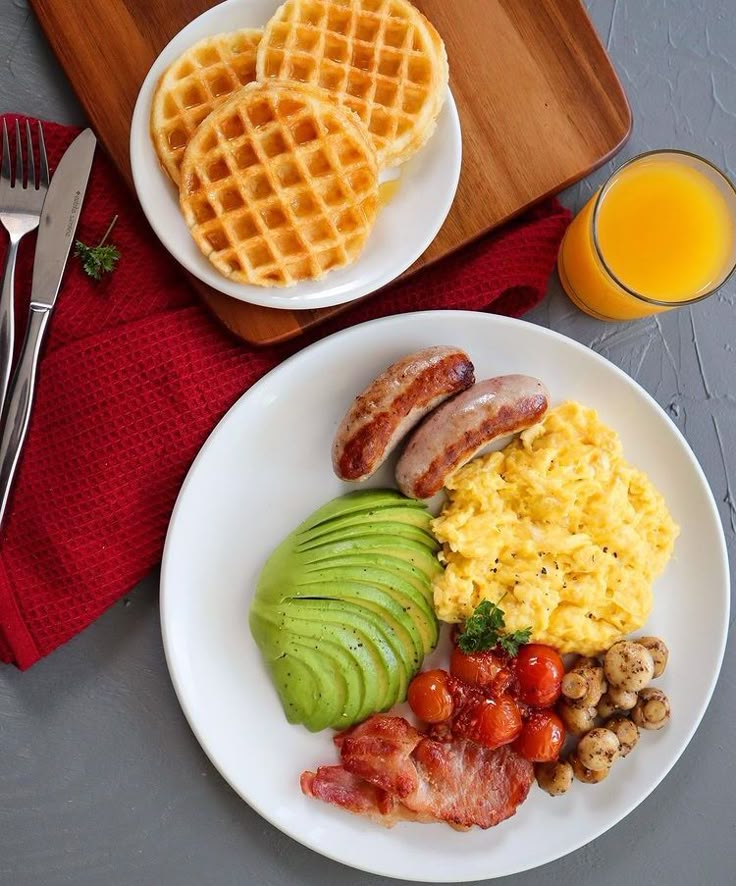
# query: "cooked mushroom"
{"points": [[606, 706], [652, 711], [577, 720], [628, 666], [627, 733], [598, 749], [622, 698], [554, 778], [588, 776], [584, 686], [596, 685], [659, 652], [574, 685]]}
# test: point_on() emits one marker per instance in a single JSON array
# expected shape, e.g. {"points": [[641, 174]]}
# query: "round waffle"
{"points": [[382, 58], [202, 78], [279, 184]]}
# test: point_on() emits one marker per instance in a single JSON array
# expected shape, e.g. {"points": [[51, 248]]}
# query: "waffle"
{"points": [[382, 58], [194, 85], [279, 184]]}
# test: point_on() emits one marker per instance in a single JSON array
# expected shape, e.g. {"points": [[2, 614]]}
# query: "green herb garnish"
{"points": [[485, 630], [100, 259]]}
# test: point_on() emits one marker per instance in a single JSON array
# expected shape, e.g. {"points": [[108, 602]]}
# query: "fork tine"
{"points": [[18, 180], [30, 159], [44, 161], [6, 171]]}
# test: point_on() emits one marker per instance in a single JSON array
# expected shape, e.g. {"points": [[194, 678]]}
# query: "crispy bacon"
{"points": [[380, 750], [465, 784], [334, 784], [391, 771]]}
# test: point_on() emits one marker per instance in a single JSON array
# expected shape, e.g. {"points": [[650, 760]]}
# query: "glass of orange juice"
{"points": [[659, 234]]}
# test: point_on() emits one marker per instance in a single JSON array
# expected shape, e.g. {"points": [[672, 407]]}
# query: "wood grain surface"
{"points": [[539, 101]]}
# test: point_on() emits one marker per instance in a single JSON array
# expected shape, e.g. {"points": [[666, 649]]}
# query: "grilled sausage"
{"points": [[393, 404], [459, 429]]}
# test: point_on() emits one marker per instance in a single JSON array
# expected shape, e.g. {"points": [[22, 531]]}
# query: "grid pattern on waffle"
{"points": [[202, 78], [279, 185], [381, 57]]}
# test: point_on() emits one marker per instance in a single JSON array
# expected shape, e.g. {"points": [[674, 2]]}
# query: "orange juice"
{"points": [[660, 233]]}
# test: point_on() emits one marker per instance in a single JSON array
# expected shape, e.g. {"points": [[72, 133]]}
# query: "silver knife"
{"points": [[56, 230]]}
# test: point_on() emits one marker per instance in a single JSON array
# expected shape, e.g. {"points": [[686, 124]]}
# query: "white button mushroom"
{"points": [[622, 698], [627, 733], [584, 685], [598, 749], [574, 685], [659, 652], [628, 666], [554, 778], [577, 720], [606, 707], [652, 711], [582, 773]]}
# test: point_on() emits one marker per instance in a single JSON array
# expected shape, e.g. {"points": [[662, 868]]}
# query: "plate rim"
{"points": [[141, 151], [502, 321]]}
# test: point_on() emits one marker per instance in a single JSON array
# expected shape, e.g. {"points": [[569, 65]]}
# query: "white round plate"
{"points": [[267, 466], [404, 228]]}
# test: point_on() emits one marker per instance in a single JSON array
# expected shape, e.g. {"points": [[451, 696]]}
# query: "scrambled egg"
{"points": [[559, 526]]}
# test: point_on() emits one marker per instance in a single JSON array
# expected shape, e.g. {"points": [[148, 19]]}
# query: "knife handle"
{"points": [[17, 412], [7, 323]]}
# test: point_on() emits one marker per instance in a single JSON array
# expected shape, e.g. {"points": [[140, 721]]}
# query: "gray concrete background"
{"points": [[101, 780]]}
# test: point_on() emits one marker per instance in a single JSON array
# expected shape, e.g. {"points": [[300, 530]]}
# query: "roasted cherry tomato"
{"points": [[498, 722], [476, 668], [429, 696], [539, 672], [541, 738]]}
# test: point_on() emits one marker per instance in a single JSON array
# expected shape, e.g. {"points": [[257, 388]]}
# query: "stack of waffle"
{"points": [[276, 138]]}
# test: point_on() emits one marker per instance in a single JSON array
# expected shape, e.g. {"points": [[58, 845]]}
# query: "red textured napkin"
{"points": [[134, 377]]}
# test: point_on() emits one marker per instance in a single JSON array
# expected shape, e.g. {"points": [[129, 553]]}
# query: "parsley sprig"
{"points": [[100, 259], [485, 630]]}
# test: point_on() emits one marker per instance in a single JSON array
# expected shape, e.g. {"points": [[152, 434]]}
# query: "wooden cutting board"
{"points": [[539, 101]]}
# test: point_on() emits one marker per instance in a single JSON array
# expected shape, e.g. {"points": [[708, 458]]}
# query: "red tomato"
{"points": [[541, 738], [498, 722], [429, 696], [476, 668], [539, 671]]}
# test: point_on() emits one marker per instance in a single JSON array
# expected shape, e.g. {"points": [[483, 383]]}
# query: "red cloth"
{"points": [[134, 377]]}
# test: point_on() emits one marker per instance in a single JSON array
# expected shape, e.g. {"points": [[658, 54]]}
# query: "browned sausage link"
{"points": [[456, 431], [393, 404]]}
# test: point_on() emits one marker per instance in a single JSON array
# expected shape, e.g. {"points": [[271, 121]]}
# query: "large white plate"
{"points": [[267, 466], [404, 228]]}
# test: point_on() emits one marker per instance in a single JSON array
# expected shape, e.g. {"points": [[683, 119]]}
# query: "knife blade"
{"points": [[58, 225], [59, 218]]}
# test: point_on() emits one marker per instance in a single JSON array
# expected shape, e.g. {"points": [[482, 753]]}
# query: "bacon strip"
{"points": [[334, 784], [391, 772]]}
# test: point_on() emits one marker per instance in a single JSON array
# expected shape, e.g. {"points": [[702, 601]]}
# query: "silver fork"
{"points": [[21, 200]]}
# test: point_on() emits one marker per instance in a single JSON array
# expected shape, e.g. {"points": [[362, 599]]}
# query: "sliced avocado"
{"points": [[421, 621], [297, 685], [348, 596], [357, 532], [409, 551], [368, 668], [379, 600], [383, 674], [393, 513], [328, 699], [358, 502], [348, 651], [398, 657], [408, 572], [387, 580], [340, 652]]}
